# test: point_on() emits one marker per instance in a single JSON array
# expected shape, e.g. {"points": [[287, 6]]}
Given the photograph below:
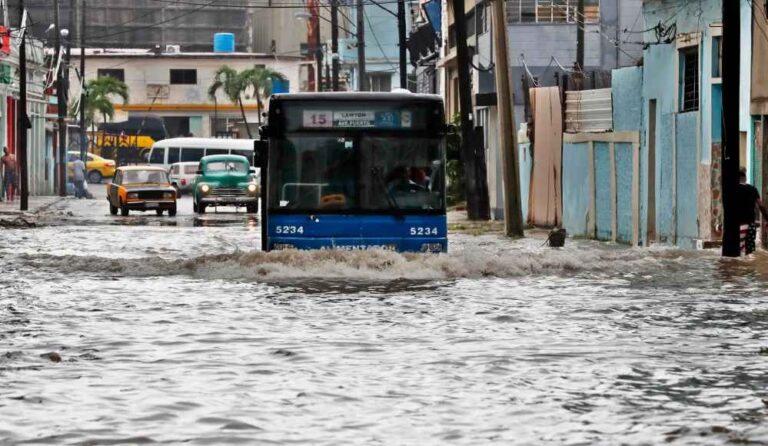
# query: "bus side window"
{"points": [[173, 155], [192, 154], [217, 152], [157, 156]]}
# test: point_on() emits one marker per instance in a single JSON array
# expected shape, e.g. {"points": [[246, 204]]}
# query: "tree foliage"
{"points": [[256, 82]]}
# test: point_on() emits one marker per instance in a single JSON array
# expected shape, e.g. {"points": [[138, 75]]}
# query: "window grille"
{"points": [[689, 79], [551, 11]]}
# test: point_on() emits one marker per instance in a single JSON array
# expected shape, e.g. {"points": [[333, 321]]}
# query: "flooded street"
{"points": [[178, 330]]}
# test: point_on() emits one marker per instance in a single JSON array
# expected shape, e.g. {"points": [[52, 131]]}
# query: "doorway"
{"points": [[651, 172]]}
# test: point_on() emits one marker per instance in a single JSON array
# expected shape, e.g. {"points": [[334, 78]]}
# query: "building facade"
{"points": [[174, 85], [41, 157], [656, 178]]}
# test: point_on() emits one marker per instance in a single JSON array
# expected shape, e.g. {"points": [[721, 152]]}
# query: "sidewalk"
{"points": [[36, 204]]}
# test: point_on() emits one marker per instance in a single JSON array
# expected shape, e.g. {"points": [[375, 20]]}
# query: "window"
{"points": [[217, 152], [173, 155], [157, 156], [192, 154], [551, 11], [174, 170], [689, 79], [184, 77], [717, 57], [117, 73], [380, 82], [226, 166], [380, 173]]}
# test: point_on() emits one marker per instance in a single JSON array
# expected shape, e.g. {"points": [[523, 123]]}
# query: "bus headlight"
{"points": [[205, 188], [252, 188]]}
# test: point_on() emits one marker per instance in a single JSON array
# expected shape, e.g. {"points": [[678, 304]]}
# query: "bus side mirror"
{"points": [[260, 149]]}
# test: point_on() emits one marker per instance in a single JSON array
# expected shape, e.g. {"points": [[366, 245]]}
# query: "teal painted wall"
{"points": [[526, 166], [576, 190], [603, 192], [624, 176]]}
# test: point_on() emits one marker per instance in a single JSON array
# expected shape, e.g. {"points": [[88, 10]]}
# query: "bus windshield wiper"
{"points": [[376, 171]]}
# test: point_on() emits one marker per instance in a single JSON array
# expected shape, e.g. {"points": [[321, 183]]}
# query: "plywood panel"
{"points": [[545, 207]]}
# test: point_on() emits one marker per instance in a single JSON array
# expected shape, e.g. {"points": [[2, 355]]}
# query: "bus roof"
{"points": [[356, 96], [209, 143]]}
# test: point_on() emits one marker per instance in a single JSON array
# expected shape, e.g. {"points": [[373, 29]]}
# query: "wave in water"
{"points": [[372, 265]]}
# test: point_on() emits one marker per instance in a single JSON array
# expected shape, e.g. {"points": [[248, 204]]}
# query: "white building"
{"points": [[174, 84]]}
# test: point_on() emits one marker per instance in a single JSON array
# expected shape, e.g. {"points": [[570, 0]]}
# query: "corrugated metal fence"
{"points": [[589, 111]]}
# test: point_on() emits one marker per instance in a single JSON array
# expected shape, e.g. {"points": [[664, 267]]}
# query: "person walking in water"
{"points": [[9, 166], [78, 176], [748, 201]]}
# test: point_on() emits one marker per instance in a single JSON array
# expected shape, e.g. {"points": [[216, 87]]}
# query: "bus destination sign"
{"points": [[316, 119]]}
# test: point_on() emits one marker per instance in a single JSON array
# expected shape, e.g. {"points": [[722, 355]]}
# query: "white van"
{"points": [[175, 150]]}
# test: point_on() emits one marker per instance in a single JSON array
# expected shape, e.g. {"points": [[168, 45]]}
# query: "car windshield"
{"points": [[382, 173], [144, 176], [226, 166]]}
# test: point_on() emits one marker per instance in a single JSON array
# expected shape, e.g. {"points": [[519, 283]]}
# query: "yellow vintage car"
{"points": [[141, 188], [97, 167]]}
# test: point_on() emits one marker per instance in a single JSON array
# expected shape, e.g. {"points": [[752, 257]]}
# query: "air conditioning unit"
{"points": [[173, 49]]}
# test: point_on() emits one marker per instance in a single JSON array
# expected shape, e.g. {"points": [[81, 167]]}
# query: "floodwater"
{"points": [[160, 330]]}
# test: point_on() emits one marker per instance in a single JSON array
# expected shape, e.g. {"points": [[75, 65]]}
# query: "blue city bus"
{"points": [[353, 171]]}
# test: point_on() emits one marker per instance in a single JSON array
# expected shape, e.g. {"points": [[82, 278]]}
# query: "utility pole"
{"points": [[61, 95], [362, 82], [83, 133], [730, 153], [477, 207], [22, 120], [402, 39], [335, 44], [513, 213], [580, 35], [318, 48]]}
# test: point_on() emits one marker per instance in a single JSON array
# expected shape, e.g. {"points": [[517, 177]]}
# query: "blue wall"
{"points": [[526, 167], [576, 191], [603, 192]]}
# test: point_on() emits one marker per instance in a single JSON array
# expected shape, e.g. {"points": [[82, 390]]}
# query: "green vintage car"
{"points": [[225, 180]]}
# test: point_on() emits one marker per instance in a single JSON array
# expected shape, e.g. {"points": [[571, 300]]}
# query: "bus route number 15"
{"points": [[317, 119]]}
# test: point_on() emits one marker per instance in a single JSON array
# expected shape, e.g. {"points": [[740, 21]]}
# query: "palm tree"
{"points": [[98, 98], [235, 85]]}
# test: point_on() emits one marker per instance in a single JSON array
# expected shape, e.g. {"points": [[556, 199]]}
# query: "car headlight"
{"points": [[168, 195], [252, 188], [133, 195], [205, 188]]}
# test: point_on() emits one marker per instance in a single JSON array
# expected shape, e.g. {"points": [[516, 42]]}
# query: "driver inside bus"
{"points": [[399, 181]]}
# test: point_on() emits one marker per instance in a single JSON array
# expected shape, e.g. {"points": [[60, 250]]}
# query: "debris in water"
{"points": [[53, 356], [557, 237]]}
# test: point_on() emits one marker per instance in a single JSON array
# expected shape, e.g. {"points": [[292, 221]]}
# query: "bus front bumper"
{"points": [[399, 244]]}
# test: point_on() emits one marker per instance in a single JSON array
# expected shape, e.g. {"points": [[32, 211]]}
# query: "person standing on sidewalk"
{"points": [[749, 200], [78, 177], [9, 167]]}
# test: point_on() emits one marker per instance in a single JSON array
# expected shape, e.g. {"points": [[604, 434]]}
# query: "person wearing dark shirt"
{"points": [[748, 201]]}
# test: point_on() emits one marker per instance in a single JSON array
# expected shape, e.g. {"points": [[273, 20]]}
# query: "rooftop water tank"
{"points": [[223, 43]]}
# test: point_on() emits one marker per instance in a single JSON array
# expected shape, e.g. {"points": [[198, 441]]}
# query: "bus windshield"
{"points": [[317, 172]]}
